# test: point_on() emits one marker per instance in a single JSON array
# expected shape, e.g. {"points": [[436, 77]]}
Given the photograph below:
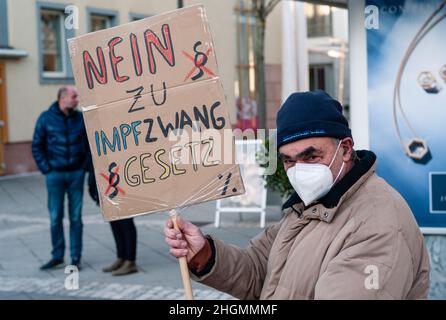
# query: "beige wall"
{"points": [[27, 98], [223, 27], [24, 94]]}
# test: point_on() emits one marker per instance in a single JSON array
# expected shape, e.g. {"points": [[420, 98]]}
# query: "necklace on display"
{"points": [[416, 148]]}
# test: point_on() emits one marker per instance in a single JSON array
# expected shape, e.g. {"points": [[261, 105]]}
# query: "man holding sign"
{"points": [[345, 234], [155, 115]]}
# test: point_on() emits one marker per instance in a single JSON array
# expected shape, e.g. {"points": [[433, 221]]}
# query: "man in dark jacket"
{"points": [[61, 151]]}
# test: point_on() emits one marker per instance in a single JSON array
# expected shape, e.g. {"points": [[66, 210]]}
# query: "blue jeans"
{"points": [[58, 183]]}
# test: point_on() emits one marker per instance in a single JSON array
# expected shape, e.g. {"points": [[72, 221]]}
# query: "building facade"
{"points": [[34, 60]]}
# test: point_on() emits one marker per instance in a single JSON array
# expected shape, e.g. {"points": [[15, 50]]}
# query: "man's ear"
{"points": [[347, 145]]}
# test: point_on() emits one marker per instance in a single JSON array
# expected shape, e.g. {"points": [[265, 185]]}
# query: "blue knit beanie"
{"points": [[310, 114]]}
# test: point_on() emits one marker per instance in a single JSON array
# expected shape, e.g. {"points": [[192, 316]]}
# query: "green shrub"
{"points": [[278, 181]]}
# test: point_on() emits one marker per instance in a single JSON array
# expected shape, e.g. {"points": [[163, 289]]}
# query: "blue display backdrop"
{"points": [[407, 112], [406, 50]]}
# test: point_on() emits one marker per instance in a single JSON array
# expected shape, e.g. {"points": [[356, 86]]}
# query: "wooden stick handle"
{"points": [[183, 264]]}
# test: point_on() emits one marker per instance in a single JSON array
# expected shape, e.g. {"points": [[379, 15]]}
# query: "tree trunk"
{"points": [[259, 60]]}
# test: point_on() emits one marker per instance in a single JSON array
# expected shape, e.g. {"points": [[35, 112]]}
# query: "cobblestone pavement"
{"points": [[25, 245]]}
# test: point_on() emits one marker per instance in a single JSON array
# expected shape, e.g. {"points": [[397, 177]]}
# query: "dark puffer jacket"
{"points": [[60, 142]]}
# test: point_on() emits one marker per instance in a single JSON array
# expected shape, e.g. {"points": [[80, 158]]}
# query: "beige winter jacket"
{"points": [[360, 241]]}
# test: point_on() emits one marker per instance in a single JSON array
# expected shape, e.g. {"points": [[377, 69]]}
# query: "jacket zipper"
{"points": [[67, 141]]}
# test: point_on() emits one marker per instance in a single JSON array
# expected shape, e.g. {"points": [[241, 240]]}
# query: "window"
{"points": [[52, 38], [322, 77], [54, 62], [99, 19], [317, 78], [137, 16], [319, 20], [3, 24], [99, 22], [245, 53], [245, 88]]}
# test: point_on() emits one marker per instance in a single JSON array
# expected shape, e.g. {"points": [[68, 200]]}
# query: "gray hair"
{"points": [[354, 155], [62, 92]]}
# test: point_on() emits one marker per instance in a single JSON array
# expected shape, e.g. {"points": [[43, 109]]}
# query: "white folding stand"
{"points": [[254, 200]]}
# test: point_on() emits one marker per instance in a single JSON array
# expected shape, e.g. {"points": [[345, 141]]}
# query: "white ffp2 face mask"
{"points": [[313, 181]]}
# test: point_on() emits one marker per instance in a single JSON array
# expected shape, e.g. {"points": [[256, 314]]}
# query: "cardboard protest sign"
{"points": [[155, 114]]}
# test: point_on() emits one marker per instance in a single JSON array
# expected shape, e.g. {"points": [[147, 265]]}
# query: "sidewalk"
{"points": [[25, 245]]}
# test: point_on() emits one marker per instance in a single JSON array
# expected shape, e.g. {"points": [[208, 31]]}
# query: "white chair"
{"points": [[254, 199]]}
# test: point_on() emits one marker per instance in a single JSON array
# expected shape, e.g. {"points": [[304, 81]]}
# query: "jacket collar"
{"points": [[54, 108], [327, 206]]}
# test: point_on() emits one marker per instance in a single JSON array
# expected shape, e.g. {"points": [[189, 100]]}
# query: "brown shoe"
{"points": [[115, 266], [127, 268]]}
